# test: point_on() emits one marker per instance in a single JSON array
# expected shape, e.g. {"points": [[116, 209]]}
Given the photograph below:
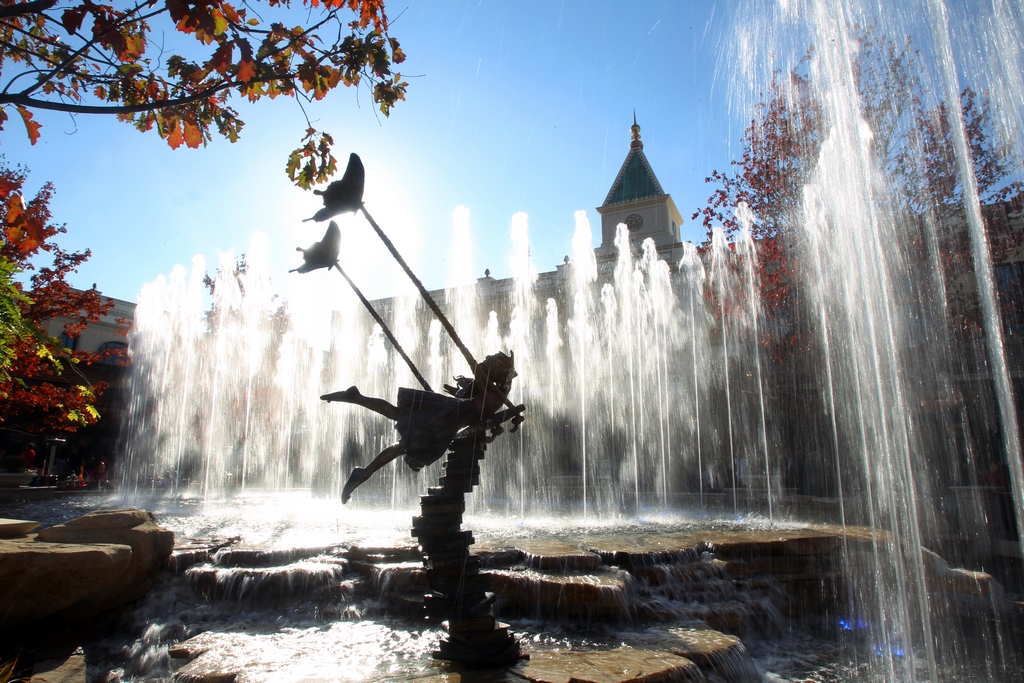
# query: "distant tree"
{"points": [[41, 385], [780, 146], [81, 57], [912, 144]]}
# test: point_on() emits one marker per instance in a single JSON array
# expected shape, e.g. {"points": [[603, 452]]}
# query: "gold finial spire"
{"points": [[635, 142]]}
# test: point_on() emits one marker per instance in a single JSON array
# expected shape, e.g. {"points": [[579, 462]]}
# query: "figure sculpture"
{"points": [[427, 422], [429, 425]]}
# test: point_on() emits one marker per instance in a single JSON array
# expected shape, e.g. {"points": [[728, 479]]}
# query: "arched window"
{"points": [[121, 359]]}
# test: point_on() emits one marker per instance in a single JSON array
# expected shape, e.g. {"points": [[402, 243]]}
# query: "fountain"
{"points": [[655, 412]]}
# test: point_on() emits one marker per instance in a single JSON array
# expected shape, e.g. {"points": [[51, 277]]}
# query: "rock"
{"points": [[728, 616], [716, 653], [41, 579], [637, 551], [600, 595], [203, 670], [65, 670], [12, 528], [497, 556], [620, 665], [962, 583], [203, 664], [150, 545], [555, 555], [764, 544]]}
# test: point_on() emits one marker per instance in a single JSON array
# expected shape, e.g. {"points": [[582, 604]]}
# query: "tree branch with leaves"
{"points": [[81, 57]]}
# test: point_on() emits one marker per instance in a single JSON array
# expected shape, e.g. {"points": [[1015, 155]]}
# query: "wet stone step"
{"points": [[682, 576], [301, 580], [183, 558], [384, 554], [444, 558], [621, 665], [394, 577], [498, 557], [605, 594], [629, 552], [553, 555], [261, 557], [735, 617], [716, 653], [761, 544]]}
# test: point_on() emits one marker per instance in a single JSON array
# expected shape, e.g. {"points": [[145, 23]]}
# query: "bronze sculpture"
{"points": [[427, 422], [431, 425]]}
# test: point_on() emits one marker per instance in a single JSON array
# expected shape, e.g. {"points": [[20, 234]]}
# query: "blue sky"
{"points": [[512, 107]]}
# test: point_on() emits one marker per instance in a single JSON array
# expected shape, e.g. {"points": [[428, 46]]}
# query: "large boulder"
{"points": [[40, 579], [151, 545], [77, 570]]}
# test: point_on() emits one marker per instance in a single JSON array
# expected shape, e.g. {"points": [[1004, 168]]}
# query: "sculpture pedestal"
{"points": [[459, 597]]}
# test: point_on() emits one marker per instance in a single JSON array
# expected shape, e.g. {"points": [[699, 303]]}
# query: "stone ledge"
{"points": [[621, 665]]}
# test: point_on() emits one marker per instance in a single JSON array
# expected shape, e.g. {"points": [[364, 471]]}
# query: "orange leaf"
{"points": [[15, 210], [193, 136], [31, 126], [246, 70], [174, 135]]}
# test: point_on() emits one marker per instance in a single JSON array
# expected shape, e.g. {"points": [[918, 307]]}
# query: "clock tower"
{"points": [[637, 200]]}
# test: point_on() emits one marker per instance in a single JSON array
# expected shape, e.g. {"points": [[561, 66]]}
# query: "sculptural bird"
{"points": [[343, 195], [322, 254]]}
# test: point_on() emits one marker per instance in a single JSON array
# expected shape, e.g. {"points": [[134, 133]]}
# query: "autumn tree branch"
{"points": [[21, 9]]}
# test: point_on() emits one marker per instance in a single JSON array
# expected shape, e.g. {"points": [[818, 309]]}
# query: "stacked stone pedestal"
{"points": [[459, 599]]}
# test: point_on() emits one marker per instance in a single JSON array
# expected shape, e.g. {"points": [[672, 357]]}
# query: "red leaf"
{"points": [[31, 126], [221, 59], [72, 19]]}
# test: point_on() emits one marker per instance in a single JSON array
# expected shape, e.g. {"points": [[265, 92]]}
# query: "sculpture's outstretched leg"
{"points": [[352, 395], [361, 474]]}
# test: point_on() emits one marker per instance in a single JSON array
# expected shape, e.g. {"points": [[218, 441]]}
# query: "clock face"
{"points": [[634, 222]]}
